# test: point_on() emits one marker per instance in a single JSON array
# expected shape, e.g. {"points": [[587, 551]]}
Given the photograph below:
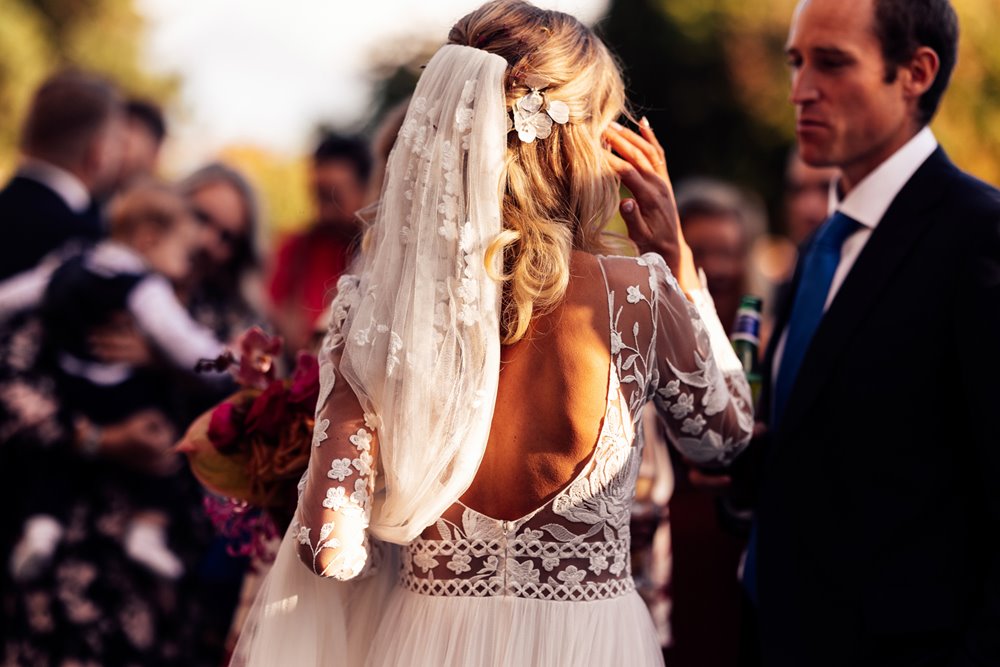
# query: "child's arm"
{"points": [[166, 322]]}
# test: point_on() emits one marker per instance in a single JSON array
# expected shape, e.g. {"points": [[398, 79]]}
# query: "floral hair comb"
{"points": [[533, 116]]}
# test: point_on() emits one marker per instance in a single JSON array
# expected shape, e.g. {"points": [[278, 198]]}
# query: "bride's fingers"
{"points": [[621, 143], [646, 187], [638, 230], [660, 155], [653, 155]]}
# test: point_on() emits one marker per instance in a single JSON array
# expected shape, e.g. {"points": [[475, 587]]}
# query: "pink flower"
{"points": [[224, 428], [304, 389], [257, 352]]}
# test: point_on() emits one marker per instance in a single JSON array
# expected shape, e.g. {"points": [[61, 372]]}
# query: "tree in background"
{"points": [[711, 77], [38, 36], [709, 74]]}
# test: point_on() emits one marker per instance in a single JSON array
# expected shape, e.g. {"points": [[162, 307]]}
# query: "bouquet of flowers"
{"points": [[250, 450]]}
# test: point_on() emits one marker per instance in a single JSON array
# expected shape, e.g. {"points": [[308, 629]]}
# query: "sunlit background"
{"points": [[254, 81]]}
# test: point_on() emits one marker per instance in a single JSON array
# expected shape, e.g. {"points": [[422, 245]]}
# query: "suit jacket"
{"points": [[34, 221], [879, 509]]}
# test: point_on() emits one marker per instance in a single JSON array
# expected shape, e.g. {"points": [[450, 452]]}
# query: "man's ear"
{"points": [[918, 75], [92, 159]]}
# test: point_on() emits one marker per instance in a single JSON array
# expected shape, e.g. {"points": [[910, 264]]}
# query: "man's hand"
{"points": [[121, 342], [704, 481], [142, 442], [707, 481]]}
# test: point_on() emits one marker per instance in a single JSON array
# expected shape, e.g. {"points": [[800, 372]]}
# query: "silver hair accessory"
{"points": [[534, 115]]}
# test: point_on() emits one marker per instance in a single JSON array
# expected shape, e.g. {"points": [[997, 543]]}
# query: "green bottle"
{"points": [[746, 340]]}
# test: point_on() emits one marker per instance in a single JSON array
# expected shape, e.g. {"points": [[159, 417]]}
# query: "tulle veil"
{"points": [[419, 328]]}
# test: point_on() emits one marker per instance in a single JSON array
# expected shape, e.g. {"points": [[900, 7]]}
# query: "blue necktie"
{"points": [[818, 267]]}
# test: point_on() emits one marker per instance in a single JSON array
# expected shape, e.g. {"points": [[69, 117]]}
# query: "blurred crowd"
{"points": [[114, 283]]}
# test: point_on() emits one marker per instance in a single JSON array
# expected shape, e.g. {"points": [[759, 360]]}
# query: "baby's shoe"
{"points": [[146, 543], [36, 547]]}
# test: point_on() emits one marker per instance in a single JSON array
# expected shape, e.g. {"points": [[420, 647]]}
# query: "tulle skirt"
{"points": [[302, 620], [425, 630]]}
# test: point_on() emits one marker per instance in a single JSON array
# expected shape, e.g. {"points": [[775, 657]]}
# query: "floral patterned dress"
{"points": [[92, 604]]}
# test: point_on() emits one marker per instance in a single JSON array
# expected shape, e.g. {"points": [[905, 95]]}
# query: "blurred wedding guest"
{"points": [[807, 197], [127, 277], [806, 201], [721, 223], [71, 152], [223, 291], [307, 264], [106, 589], [145, 132]]}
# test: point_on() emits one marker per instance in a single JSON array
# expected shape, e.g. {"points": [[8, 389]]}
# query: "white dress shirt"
{"points": [[65, 184], [867, 203]]}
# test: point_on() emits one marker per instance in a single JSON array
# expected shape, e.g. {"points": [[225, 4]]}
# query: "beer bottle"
{"points": [[746, 340]]}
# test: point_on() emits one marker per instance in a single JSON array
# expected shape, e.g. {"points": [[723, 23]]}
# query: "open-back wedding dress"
{"points": [[415, 577]]}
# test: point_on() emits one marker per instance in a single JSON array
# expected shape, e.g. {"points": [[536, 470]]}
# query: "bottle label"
{"points": [[747, 326]]}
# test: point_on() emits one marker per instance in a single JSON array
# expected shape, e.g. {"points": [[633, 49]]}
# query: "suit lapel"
{"points": [[897, 232], [782, 311]]}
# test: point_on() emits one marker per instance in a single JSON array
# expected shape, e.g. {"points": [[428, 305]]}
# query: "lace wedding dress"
{"points": [[554, 587], [407, 579]]}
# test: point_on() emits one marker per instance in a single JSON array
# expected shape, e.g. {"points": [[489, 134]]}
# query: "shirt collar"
{"points": [[871, 198], [65, 184]]}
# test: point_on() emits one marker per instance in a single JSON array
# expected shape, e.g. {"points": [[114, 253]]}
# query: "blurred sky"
{"points": [[266, 73]]}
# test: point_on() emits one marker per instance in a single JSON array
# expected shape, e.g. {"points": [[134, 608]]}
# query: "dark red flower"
{"points": [[269, 411], [225, 428], [304, 390]]}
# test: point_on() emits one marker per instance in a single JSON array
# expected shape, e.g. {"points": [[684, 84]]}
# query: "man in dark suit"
{"points": [[71, 145], [877, 536]]}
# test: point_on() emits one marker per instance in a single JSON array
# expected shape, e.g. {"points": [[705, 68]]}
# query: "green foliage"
{"points": [[39, 36], [25, 58], [711, 77], [679, 75]]}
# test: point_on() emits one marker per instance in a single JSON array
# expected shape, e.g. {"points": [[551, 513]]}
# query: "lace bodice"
{"points": [[662, 347], [574, 547]]}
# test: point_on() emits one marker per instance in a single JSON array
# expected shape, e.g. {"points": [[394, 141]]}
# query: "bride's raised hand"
{"points": [[651, 213]]}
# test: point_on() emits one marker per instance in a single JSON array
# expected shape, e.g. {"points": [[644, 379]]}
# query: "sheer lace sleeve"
{"points": [[335, 495], [674, 351]]}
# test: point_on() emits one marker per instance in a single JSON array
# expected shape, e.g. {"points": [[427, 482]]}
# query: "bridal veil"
{"points": [[419, 332]]}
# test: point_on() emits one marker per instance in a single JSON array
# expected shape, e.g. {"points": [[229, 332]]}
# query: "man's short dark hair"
{"points": [[66, 113], [903, 26], [712, 198], [353, 149], [149, 115]]}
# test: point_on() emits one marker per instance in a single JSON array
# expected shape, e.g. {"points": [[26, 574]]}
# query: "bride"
{"points": [[476, 447]]}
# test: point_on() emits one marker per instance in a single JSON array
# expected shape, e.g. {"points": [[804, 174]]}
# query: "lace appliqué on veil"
{"points": [[347, 483]]}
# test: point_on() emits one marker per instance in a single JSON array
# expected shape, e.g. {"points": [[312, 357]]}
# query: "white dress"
{"points": [[553, 587]]}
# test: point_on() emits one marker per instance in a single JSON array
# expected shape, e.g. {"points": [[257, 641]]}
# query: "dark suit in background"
{"points": [[34, 221]]}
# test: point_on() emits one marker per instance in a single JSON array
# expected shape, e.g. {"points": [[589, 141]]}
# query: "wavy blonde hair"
{"points": [[558, 192]]}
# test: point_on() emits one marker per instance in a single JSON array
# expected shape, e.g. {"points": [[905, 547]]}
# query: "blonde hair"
{"points": [[558, 192], [147, 204]]}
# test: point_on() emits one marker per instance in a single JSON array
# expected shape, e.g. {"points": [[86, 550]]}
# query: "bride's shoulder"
{"points": [[622, 270]]}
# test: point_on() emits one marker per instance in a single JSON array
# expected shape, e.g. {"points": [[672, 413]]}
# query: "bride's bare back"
{"points": [[550, 401]]}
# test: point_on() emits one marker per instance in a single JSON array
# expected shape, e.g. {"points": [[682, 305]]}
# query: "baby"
{"points": [[125, 278]]}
